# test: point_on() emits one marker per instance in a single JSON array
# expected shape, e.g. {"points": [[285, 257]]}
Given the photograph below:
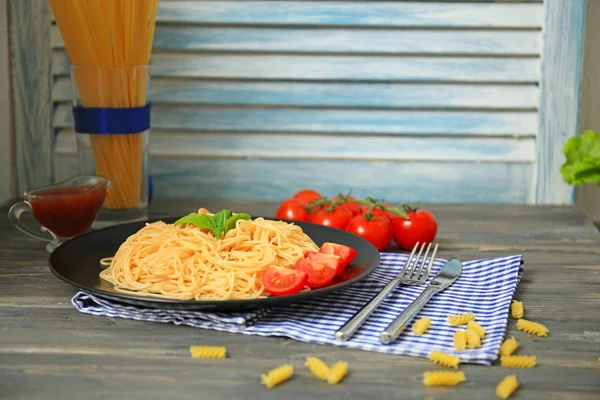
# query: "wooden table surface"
{"points": [[50, 351]]}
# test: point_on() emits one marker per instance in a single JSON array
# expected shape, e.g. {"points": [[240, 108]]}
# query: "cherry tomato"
{"points": [[388, 214], [307, 196], [353, 207], [338, 218], [315, 210], [330, 260], [292, 209], [284, 281], [376, 230], [318, 274], [347, 253], [421, 226]]}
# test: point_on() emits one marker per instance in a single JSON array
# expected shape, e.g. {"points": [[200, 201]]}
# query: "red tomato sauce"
{"points": [[68, 212]]}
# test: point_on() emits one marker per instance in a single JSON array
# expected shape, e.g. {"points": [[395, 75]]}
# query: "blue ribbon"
{"points": [[112, 120]]}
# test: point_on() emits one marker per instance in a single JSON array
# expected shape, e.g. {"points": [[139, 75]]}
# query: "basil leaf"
{"points": [[230, 223], [220, 218], [200, 220]]}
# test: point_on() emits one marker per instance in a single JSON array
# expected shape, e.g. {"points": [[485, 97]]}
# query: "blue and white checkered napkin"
{"points": [[485, 287]]}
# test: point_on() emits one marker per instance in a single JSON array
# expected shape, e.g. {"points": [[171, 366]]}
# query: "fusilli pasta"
{"points": [[444, 359], [533, 328], [473, 339], [421, 326], [460, 340], [507, 386], [509, 346], [477, 328], [518, 361], [318, 368], [337, 372], [443, 378], [208, 351], [461, 319], [516, 309], [277, 375]]}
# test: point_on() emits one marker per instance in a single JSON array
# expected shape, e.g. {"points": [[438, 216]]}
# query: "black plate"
{"points": [[77, 263]]}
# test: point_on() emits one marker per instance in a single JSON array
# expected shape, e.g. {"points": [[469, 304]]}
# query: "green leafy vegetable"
{"points": [[219, 224], [230, 223], [583, 159], [220, 219], [200, 220]]}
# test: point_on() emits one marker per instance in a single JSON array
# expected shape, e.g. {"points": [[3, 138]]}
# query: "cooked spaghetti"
{"points": [[185, 262], [109, 43]]}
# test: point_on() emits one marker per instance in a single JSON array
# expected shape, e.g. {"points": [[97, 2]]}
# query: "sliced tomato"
{"points": [[318, 274], [345, 252], [284, 281], [331, 260]]}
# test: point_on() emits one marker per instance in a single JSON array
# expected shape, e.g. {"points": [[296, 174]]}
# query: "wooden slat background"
{"points": [[424, 100], [6, 159], [31, 82]]}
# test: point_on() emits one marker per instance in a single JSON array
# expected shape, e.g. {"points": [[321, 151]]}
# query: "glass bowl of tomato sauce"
{"points": [[64, 210]]}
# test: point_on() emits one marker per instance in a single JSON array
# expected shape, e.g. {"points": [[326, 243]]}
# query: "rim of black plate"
{"points": [[266, 301]]}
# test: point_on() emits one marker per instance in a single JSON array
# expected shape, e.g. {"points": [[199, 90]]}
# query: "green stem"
{"points": [[400, 210]]}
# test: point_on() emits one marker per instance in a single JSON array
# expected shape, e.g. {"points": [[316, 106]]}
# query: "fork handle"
{"points": [[350, 327], [397, 326]]}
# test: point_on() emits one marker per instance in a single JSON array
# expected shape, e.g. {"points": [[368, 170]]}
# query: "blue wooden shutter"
{"points": [[408, 100]]}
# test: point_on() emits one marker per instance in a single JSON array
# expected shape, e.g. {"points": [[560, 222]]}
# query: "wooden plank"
{"points": [[560, 96], [31, 92], [351, 94], [282, 146], [327, 40], [211, 119], [6, 148], [101, 375], [331, 67], [354, 13], [257, 179]]}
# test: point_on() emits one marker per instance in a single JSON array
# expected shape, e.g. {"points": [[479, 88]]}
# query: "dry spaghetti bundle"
{"points": [[188, 263], [109, 44]]}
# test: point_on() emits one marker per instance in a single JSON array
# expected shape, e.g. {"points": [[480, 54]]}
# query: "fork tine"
{"points": [[431, 261], [408, 261], [411, 271], [423, 263]]}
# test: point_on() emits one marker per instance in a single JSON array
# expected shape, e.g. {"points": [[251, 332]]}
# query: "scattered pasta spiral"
{"points": [[461, 319], [337, 372], [277, 375], [473, 339], [444, 359], [460, 340], [509, 346], [318, 368], [443, 378], [208, 351], [421, 326], [477, 328], [518, 361], [532, 328], [507, 386], [516, 309]]}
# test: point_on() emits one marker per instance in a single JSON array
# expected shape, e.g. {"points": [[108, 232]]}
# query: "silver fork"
{"points": [[408, 276]]}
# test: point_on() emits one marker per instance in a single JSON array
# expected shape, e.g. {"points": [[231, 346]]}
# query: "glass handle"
{"points": [[14, 216]]}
